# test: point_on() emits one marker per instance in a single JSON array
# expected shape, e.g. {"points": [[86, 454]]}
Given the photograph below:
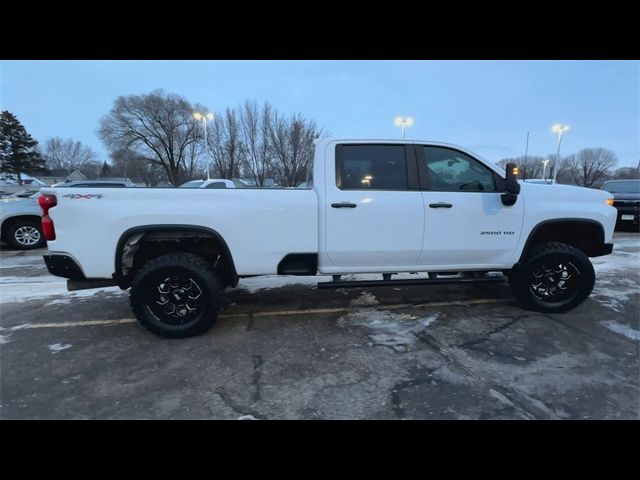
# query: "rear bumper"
{"points": [[63, 266], [66, 267]]}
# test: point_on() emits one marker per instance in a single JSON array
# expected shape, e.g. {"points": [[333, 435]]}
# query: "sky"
{"points": [[485, 106]]}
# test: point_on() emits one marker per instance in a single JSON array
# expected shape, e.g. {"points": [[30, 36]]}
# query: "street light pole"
{"points": [[544, 169], [559, 129], [403, 123], [205, 118], [206, 146]]}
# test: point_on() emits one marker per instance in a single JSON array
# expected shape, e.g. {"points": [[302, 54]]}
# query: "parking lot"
{"points": [[284, 350]]}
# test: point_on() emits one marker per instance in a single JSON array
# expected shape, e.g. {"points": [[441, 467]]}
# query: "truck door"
{"points": [[466, 223], [373, 210]]}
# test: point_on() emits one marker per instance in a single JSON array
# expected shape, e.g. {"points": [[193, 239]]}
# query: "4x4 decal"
{"points": [[77, 196]]}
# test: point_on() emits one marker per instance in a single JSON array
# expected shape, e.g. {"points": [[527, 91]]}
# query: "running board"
{"points": [[409, 281]]}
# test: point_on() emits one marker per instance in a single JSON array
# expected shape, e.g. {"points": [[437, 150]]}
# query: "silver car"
{"points": [[20, 218]]}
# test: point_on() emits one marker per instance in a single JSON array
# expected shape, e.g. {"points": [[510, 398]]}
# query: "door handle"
{"points": [[440, 205], [344, 205]]}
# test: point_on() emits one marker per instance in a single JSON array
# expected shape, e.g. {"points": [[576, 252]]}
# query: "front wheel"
{"points": [[554, 278], [176, 295]]}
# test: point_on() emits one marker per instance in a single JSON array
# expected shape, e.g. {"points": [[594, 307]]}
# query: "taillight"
{"points": [[46, 202]]}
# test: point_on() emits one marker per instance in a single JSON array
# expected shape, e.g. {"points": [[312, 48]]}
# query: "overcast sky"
{"points": [[486, 106]]}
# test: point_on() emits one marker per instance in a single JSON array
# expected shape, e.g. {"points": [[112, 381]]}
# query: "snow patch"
{"points": [[623, 330], [59, 347], [613, 298], [4, 339], [32, 288], [395, 330], [256, 284], [610, 264], [247, 417], [22, 261], [366, 299], [500, 397]]}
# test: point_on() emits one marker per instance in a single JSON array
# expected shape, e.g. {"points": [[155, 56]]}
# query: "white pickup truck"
{"points": [[372, 206]]}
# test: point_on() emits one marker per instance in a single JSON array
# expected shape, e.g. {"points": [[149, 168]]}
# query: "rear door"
{"points": [[466, 224], [374, 215]]}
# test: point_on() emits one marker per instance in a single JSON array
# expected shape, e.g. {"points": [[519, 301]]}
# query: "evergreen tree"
{"points": [[18, 152], [106, 169]]}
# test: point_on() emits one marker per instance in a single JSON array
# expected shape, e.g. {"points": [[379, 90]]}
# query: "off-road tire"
{"points": [[552, 253], [145, 285]]}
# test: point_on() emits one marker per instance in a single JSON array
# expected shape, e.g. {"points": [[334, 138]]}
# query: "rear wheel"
{"points": [[25, 235], [176, 295], [554, 278]]}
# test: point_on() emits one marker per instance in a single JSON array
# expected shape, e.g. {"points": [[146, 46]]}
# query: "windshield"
{"points": [[622, 187], [192, 184]]}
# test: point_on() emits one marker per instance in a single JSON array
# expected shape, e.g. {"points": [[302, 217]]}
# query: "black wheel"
{"points": [[554, 278], [176, 295], [25, 235]]}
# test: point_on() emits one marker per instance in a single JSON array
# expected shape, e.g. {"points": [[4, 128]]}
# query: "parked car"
{"points": [[9, 186], [626, 199], [548, 181], [96, 184], [20, 218], [376, 206], [214, 183]]}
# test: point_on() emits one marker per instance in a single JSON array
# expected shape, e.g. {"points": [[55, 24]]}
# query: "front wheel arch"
{"points": [[586, 235]]}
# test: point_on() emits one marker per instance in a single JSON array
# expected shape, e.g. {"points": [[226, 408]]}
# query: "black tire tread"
{"points": [[188, 260], [521, 291]]}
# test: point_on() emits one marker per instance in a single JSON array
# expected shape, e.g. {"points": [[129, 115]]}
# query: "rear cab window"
{"points": [[372, 167]]}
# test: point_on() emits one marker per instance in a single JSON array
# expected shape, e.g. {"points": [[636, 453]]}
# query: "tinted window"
{"points": [[217, 185], [372, 167], [452, 171]]}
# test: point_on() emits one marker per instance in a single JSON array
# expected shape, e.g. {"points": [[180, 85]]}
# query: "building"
{"points": [[58, 175]]}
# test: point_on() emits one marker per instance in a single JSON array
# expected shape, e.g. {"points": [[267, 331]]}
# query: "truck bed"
{"points": [[260, 226]]}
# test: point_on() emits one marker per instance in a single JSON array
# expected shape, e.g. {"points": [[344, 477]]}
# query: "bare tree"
{"points": [[254, 127], [626, 173], [193, 165], [225, 144], [129, 164], [69, 154], [156, 125], [292, 142], [591, 164]]}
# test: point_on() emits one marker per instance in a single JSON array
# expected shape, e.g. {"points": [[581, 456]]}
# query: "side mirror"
{"points": [[511, 185]]}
